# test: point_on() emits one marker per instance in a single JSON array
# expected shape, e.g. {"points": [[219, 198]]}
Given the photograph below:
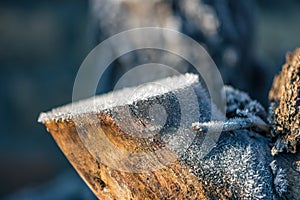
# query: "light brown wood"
{"points": [[171, 182], [93, 143]]}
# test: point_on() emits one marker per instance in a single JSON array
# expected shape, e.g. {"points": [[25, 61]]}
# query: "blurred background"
{"points": [[43, 43]]}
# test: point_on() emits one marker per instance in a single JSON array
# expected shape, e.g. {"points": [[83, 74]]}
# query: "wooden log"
{"points": [[102, 167], [122, 151], [174, 181]]}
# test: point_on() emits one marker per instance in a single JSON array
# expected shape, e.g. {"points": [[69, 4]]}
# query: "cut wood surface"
{"points": [[103, 139]]}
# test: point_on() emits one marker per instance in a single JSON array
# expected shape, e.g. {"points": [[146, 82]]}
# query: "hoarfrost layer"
{"points": [[121, 97]]}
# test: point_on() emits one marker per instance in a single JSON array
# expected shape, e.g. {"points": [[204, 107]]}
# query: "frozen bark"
{"points": [[285, 102], [284, 118]]}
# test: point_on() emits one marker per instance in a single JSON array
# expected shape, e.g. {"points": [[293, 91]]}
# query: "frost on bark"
{"points": [[284, 117], [285, 103]]}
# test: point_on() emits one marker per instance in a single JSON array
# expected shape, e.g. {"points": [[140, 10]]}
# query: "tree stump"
{"points": [[140, 145], [84, 130]]}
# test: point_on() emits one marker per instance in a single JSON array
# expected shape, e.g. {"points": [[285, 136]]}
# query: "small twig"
{"points": [[231, 125]]}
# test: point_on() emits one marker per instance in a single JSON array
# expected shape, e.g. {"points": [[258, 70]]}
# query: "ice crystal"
{"points": [[280, 181], [126, 96]]}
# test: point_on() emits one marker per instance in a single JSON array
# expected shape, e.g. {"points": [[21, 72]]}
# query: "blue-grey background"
{"points": [[42, 44]]}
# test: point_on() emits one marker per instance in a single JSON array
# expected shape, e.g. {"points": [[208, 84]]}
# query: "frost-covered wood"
{"points": [[284, 118], [285, 104], [238, 167], [172, 181]]}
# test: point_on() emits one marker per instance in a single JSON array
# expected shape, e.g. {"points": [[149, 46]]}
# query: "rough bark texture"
{"points": [[284, 118], [285, 101]]}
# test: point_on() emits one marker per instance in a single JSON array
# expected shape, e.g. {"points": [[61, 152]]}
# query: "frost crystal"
{"points": [[126, 96], [236, 168], [280, 181], [242, 111], [239, 104], [284, 115]]}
